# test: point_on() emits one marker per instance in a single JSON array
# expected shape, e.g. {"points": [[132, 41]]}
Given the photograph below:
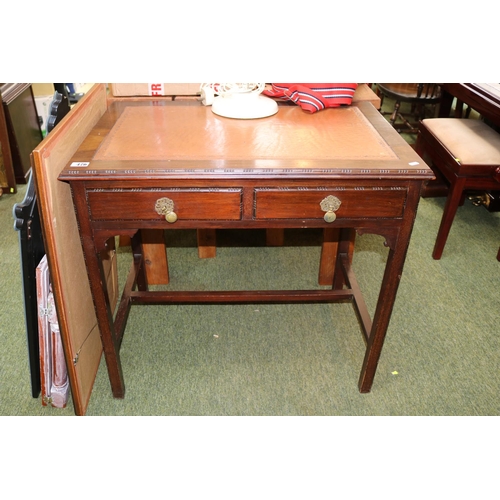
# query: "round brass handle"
{"points": [[330, 205], [165, 206], [330, 216], [171, 217]]}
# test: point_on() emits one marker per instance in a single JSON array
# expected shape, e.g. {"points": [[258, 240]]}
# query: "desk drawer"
{"points": [[273, 203], [188, 204]]}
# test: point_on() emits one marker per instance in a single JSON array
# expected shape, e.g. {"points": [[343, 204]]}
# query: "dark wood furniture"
{"points": [[482, 97], [166, 165], [7, 176], [463, 152], [23, 127], [418, 95]]}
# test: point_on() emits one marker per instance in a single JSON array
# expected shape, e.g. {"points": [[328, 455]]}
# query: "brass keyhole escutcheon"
{"points": [[165, 206], [330, 205]]}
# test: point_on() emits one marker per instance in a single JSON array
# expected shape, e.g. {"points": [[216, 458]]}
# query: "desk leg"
{"points": [[445, 104], [347, 237], [381, 319], [453, 201], [275, 237], [207, 243], [335, 242], [155, 256], [110, 341], [398, 243], [329, 249], [141, 274], [97, 281]]}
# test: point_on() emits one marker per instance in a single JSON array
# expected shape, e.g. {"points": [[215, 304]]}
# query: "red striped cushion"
{"points": [[314, 97]]}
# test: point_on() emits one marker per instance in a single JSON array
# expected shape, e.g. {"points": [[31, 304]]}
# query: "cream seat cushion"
{"points": [[471, 141]]}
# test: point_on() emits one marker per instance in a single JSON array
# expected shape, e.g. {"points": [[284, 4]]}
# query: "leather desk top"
{"points": [[195, 133], [144, 139]]}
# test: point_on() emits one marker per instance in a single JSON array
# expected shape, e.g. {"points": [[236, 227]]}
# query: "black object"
{"points": [[32, 250], [59, 108], [63, 88]]}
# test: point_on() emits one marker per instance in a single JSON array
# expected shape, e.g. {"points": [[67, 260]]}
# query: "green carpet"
{"points": [[293, 359], [440, 356]]}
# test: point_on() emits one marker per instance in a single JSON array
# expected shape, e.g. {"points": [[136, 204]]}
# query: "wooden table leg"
{"points": [[207, 246], [385, 304], [92, 245], [275, 237], [347, 237], [398, 243], [155, 256], [328, 258], [335, 241], [450, 209], [124, 241], [109, 337]]}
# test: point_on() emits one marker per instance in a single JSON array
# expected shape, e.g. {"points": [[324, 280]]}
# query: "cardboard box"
{"points": [[152, 89], [43, 89], [365, 93]]}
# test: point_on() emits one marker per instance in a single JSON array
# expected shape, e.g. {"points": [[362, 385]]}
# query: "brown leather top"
{"points": [[195, 133]]}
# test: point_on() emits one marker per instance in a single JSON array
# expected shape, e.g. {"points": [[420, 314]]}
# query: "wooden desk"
{"points": [[24, 132], [212, 172], [482, 97]]}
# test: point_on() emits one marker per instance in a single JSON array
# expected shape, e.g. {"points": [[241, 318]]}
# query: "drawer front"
{"points": [[305, 203], [188, 204]]}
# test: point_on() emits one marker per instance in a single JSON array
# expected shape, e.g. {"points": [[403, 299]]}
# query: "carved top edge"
{"points": [[164, 174]]}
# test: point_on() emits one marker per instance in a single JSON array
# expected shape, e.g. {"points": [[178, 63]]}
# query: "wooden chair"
{"points": [[466, 152], [419, 95]]}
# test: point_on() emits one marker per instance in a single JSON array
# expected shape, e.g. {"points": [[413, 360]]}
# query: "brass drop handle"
{"points": [[330, 205], [165, 206]]}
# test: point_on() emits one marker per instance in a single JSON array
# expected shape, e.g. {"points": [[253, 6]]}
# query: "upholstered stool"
{"points": [[467, 153]]}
